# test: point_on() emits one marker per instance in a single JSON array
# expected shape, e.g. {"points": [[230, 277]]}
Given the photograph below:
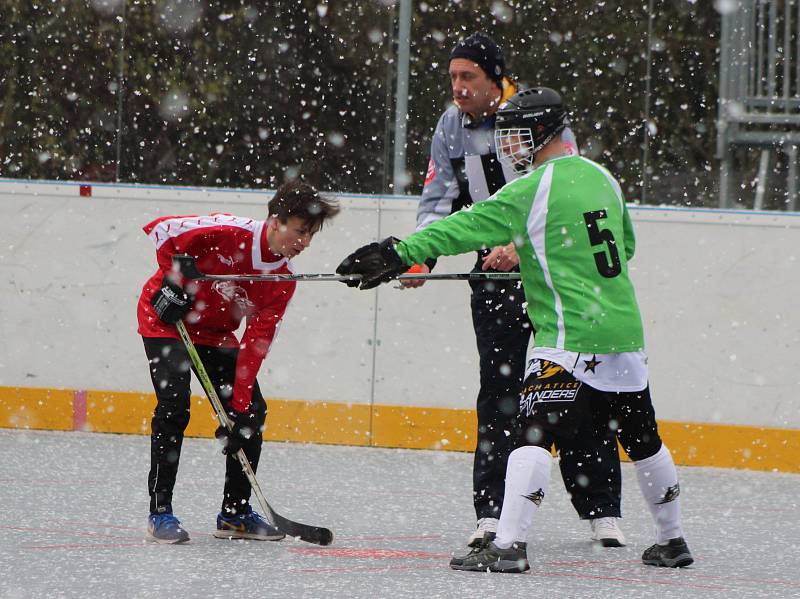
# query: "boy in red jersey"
{"points": [[222, 244]]}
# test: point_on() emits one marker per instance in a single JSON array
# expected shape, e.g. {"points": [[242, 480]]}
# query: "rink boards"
{"points": [[392, 368]]}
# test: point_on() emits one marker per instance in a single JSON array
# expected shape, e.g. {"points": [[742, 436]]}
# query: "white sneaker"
{"points": [[484, 525], [607, 532]]}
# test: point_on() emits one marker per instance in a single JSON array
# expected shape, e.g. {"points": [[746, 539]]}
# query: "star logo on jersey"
{"points": [[592, 364], [536, 497]]}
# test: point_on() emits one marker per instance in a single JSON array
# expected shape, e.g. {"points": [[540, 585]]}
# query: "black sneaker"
{"points": [[476, 545], [493, 559], [675, 554]]}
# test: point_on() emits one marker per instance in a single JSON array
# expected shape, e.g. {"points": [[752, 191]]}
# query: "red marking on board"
{"points": [[79, 411], [86, 190]]}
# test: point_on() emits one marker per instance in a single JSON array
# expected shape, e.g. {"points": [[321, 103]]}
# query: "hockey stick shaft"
{"points": [[188, 268], [463, 276], [305, 532]]}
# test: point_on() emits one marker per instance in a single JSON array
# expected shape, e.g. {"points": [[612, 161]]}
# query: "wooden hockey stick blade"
{"points": [[317, 535], [305, 532], [187, 267]]}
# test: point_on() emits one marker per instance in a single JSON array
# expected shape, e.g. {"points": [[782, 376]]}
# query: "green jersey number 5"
{"points": [[597, 236]]}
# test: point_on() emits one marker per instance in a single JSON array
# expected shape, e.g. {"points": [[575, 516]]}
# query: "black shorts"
{"points": [[554, 405]]}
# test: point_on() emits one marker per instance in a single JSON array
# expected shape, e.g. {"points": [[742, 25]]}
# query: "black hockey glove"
{"points": [[245, 425], [376, 263], [171, 302]]}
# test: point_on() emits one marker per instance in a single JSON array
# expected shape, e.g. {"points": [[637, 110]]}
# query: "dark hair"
{"points": [[295, 198]]}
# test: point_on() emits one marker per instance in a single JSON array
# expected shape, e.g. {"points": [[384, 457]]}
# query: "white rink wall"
{"points": [[718, 291]]}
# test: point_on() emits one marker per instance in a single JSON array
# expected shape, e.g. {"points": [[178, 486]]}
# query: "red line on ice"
{"points": [[366, 553], [94, 535], [140, 543], [392, 538], [537, 572], [380, 569]]}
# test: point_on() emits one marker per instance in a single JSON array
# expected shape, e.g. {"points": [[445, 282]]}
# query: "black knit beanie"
{"points": [[483, 50]]}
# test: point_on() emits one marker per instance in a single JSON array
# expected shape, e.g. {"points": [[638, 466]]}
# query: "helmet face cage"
{"points": [[515, 148], [525, 124]]}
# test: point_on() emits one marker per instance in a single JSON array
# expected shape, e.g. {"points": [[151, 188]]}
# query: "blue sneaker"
{"points": [[165, 528], [249, 525]]}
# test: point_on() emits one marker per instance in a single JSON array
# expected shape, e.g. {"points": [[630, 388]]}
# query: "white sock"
{"points": [[658, 481], [527, 477]]}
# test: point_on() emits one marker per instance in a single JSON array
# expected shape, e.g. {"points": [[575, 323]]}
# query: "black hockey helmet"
{"points": [[526, 123]]}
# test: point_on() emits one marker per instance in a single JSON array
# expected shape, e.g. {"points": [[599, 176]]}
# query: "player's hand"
{"points": [[376, 263], [244, 426], [171, 302], [412, 283], [503, 258]]}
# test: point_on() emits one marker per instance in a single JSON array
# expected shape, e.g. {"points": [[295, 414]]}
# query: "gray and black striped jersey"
{"points": [[463, 167]]}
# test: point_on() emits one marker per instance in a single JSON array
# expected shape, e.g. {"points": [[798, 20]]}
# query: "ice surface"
{"points": [[75, 506]]}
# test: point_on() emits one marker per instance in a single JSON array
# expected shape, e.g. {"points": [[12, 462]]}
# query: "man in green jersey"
{"points": [[464, 170], [568, 220]]}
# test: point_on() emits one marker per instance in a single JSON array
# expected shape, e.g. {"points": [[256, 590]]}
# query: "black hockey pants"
{"points": [[582, 410], [590, 470], [169, 369]]}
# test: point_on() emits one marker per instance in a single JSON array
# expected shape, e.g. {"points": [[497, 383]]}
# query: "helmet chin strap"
{"points": [[558, 152], [537, 153]]}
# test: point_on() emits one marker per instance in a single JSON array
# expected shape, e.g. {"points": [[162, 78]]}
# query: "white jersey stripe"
{"points": [[476, 178], [537, 226], [611, 180], [259, 264], [173, 227]]}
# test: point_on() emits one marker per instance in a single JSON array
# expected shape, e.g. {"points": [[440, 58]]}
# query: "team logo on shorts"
{"points": [[544, 369], [546, 382], [592, 364]]}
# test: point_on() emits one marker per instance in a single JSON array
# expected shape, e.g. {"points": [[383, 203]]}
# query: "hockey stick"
{"points": [[187, 266], [305, 532]]}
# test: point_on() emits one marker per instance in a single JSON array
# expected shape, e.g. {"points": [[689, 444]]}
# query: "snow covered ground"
{"points": [[75, 507]]}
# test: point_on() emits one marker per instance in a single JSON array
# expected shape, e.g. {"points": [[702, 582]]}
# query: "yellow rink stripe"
{"points": [[23, 407], [694, 444]]}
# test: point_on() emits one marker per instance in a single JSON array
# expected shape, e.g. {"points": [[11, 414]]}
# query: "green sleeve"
{"points": [[483, 225], [627, 228]]}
